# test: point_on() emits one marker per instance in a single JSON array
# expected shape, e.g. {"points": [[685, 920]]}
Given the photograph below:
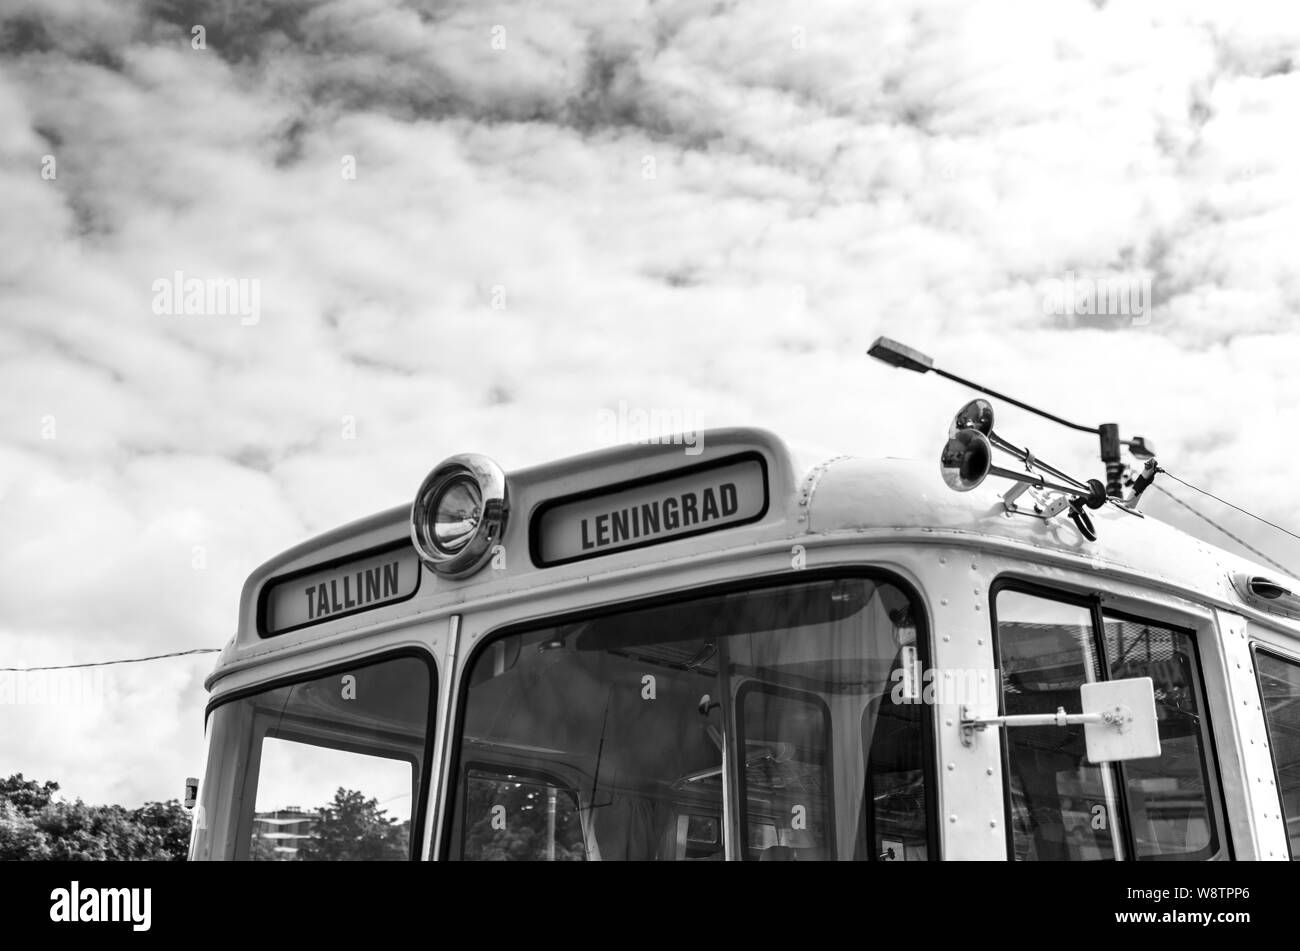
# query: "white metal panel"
{"points": [[1255, 783]]}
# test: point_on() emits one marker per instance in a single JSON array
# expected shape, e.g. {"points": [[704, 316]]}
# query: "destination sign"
{"points": [[357, 585], [652, 512]]}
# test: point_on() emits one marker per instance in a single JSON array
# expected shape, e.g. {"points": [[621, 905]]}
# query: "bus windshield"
{"points": [[327, 768], [604, 738]]}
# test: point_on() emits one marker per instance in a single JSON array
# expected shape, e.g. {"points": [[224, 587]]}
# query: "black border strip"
{"points": [[264, 595], [929, 750], [291, 680], [535, 517], [1097, 613], [1256, 648]]}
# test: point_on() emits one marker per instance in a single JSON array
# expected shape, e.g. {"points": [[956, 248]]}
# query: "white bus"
{"points": [[642, 654]]}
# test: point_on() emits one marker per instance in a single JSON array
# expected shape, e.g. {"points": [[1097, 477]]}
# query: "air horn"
{"points": [[967, 460]]}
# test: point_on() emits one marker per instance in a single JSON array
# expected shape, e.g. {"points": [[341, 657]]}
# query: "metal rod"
{"points": [[1060, 718], [1038, 481], [1015, 402], [1023, 455], [550, 823]]}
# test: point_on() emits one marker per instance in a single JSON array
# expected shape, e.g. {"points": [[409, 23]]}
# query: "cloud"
{"points": [[711, 208]]}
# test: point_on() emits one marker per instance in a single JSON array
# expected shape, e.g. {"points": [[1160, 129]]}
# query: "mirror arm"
{"points": [[970, 721]]}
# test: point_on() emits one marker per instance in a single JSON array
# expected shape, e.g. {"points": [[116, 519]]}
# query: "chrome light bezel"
{"points": [[463, 560]]}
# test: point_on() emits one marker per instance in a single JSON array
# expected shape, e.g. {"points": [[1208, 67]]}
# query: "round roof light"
{"points": [[459, 514]]}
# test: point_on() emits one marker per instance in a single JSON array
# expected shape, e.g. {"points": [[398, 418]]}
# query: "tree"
{"points": [[33, 826], [166, 829], [27, 795], [20, 839], [354, 828]]}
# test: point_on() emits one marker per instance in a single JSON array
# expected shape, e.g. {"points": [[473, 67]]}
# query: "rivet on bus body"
{"points": [[974, 566], [946, 638], [992, 824], [979, 642], [989, 771], [943, 600], [977, 607], [952, 818], [951, 767], [943, 560], [947, 722]]}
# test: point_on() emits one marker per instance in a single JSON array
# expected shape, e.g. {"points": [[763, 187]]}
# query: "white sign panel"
{"points": [[652, 512], [345, 588]]}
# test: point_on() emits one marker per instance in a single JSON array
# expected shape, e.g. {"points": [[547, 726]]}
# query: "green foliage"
{"points": [[354, 828], [33, 826]]}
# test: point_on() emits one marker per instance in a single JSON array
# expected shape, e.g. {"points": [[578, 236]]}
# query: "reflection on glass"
{"points": [[1279, 685], [628, 715], [519, 818]]}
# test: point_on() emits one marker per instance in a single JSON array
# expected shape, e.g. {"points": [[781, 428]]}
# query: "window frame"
{"points": [[1209, 753], [828, 768], [253, 761], [1257, 648], [731, 786]]}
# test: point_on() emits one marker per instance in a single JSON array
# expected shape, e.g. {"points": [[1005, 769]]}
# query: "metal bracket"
{"points": [[1010, 496]]}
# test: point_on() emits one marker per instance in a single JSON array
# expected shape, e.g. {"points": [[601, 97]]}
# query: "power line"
{"points": [[1201, 515], [109, 663], [1230, 505]]}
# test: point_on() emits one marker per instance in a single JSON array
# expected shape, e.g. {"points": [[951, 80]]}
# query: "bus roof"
{"points": [[804, 499]]}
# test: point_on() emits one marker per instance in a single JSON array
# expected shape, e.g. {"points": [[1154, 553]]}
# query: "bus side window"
{"points": [[1279, 686], [1064, 807]]}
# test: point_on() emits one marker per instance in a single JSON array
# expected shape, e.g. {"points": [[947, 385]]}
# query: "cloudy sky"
{"points": [[475, 225]]}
